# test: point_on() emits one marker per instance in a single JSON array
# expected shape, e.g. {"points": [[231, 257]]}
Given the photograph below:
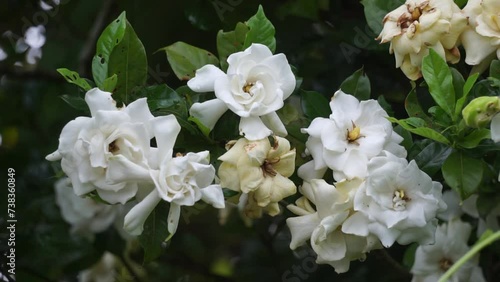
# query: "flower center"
{"points": [[267, 167], [399, 200], [445, 264], [113, 147], [247, 87], [354, 134]]}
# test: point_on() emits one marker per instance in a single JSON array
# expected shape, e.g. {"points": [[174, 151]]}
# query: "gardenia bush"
{"points": [[362, 180]]}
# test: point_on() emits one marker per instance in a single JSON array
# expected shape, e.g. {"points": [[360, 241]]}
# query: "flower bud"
{"points": [[479, 112]]}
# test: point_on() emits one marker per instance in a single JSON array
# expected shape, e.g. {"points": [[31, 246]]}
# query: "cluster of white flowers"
{"points": [[109, 154], [420, 25], [379, 198]]}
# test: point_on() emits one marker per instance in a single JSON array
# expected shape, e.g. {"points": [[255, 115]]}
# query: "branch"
{"points": [[87, 51]]}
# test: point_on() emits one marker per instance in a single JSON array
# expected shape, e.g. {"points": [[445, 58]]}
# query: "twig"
{"points": [[86, 54]]}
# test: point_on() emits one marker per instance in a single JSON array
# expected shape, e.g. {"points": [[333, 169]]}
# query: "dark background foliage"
{"points": [[325, 40]]}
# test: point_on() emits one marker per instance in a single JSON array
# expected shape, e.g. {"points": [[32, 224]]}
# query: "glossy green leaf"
{"points": [[413, 108], [261, 30], [314, 104], [109, 84], [463, 173], [185, 59], [358, 85], [458, 82], [438, 76], [155, 232], [230, 42], [109, 39], [431, 158], [129, 62], [74, 78], [164, 98], [407, 138], [468, 85], [375, 11], [415, 125], [473, 139], [75, 102]]}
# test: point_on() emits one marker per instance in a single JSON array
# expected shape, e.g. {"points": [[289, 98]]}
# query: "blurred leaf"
{"points": [[261, 30], [201, 14], [230, 42], [461, 3], [375, 11], [438, 76], [128, 61], [385, 105], [462, 173], [440, 117], [165, 98], [413, 107], [185, 59], [409, 255], [228, 193], [109, 39], [358, 85], [407, 138], [495, 69], [469, 84], [431, 158], [75, 102], [109, 84], [486, 203], [314, 104], [415, 125], [474, 138], [205, 130], [155, 232], [308, 9], [74, 77]]}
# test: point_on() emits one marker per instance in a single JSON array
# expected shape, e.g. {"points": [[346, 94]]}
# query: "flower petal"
{"points": [[273, 122], [136, 217], [208, 112], [204, 79], [99, 101], [301, 228], [166, 129], [495, 128], [173, 218], [213, 195], [253, 128]]}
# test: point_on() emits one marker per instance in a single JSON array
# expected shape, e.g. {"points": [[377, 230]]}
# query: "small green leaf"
{"points": [[409, 255], [495, 69], [431, 158], [75, 102], [74, 77], [458, 82], [414, 126], [128, 61], [261, 30], [205, 130], [466, 90], [462, 173], [185, 59], [109, 39], [375, 11], [358, 85], [109, 84], [230, 42], [438, 76], [162, 97], [413, 107], [385, 105], [155, 232], [474, 138], [314, 104], [228, 193], [407, 138]]}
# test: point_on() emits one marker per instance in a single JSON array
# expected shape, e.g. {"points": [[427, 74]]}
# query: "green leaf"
{"points": [[314, 104], [109, 84], [230, 42], [474, 138], [413, 107], [375, 11], [261, 30], [466, 90], [462, 173], [495, 69], [407, 138], [431, 158], [415, 125], [205, 130], [358, 85], [385, 105], [228, 193], [74, 78], [438, 76], [155, 232], [185, 59], [109, 39], [409, 255], [162, 97], [76, 102], [128, 61], [458, 82]]}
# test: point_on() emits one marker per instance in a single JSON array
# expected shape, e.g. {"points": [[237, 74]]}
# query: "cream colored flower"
{"points": [[482, 36], [420, 25], [260, 170]]}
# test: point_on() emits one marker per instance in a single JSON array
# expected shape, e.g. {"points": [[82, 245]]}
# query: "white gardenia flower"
{"points": [[102, 271], [261, 170], [181, 180], [85, 215], [323, 225], [495, 128], [482, 36], [87, 144], [398, 201], [432, 261], [355, 133], [420, 25], [254, 87]]}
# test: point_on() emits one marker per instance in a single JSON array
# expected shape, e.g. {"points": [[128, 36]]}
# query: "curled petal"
{"points": [[208, 112], [205, 78], [99, 100], [136, 217]]}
